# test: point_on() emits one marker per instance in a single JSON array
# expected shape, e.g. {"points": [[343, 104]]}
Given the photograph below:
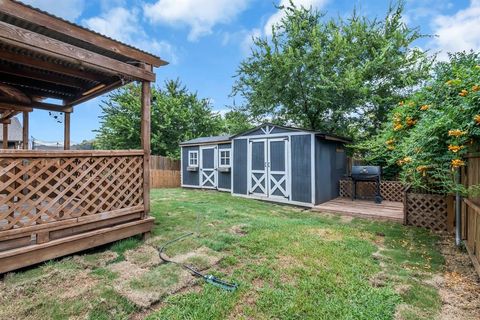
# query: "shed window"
{"points": [[193, 158], [225, 158]]}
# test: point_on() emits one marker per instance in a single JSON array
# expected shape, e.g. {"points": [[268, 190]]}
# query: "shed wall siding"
{"points": [[330, 167], [239, 168], [190, 178], [224, 178], [301, 186]]}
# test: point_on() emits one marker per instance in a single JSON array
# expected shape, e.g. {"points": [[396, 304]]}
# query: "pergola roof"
{"points": [[43, 56]]}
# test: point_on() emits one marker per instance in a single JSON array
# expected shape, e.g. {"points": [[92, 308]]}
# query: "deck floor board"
{"points": [[387, 210]]}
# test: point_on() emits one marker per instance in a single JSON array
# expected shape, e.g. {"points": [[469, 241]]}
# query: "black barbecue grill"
{"points": [[366, 173]]}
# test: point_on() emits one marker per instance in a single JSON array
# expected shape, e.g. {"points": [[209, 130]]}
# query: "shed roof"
{"points": [[14, 131], [320, 134], [207, 140]]}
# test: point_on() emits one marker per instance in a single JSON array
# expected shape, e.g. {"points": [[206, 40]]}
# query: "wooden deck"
{"points": [[387, 210]]}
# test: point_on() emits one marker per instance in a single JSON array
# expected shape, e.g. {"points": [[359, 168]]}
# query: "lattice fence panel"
{"points": [[42, 190], [390, 190], [427, 211]]}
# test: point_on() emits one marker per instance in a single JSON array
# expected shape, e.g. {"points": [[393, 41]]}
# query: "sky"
{"points": [[205, 40]]}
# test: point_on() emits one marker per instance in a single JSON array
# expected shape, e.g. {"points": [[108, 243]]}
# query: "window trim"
{"points": [[229, 150], [190, 153]]}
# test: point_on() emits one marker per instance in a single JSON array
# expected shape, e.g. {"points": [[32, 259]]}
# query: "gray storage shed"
{"points": [[269, 162]]}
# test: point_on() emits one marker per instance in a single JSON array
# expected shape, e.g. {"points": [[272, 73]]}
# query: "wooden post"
{"points": [[5, 134], [25, 130], [66, 132], [450, 213], [145, 124]]}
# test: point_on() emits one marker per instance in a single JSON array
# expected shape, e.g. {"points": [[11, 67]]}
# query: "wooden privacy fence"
{"points": [[471, 210], [165, 172]]}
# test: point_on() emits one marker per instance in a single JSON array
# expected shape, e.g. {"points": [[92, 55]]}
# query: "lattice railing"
{"points": [[43, 187], [390, 190], [427, 210]]}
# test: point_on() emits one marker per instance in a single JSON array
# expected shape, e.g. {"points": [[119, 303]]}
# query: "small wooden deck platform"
{"points": [[387, 210]]}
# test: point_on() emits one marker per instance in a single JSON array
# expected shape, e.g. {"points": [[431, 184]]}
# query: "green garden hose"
{"points": [[209, 278]]}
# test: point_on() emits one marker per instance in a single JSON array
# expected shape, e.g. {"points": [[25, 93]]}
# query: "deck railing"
{"points": [[39, 189]]}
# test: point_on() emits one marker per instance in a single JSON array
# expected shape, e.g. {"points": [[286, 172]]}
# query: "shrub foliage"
{"points": [[427, 136]]}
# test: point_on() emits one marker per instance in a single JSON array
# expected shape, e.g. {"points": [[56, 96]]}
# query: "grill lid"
{"points": [[366, 171]]}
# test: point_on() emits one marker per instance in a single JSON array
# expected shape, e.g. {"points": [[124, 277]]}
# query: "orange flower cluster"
{"points": [[404, 160], [463, 93], [389, 142], [411, 122], [422, 168], [477, 118], [425, 107], [397, 126], [456, 163], [449, 82], [456, 133], [476, 88], [401, 103], [455, 149]]}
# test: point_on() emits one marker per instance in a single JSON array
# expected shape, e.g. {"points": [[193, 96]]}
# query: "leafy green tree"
{"points": [[428, 135], [236, 121], [338, 75], [177, 115]]}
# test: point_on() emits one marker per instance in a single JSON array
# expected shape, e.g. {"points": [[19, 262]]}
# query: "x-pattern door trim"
{"points": [[277, 183], [253, 181], [208, 175]]}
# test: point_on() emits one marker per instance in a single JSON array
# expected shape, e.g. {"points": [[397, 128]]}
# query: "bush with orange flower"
{"points": [[428, 135]]}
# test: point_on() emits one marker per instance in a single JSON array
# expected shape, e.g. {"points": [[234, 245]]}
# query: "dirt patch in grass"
{"points": [[126, 271], [326, 234], [209, 257], [155, 284], [459, 285], [95, 260], [239, 230], [145, 281], [144, 256], [28, 296]]}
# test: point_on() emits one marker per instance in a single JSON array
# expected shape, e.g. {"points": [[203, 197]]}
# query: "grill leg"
{"points": [[378, 195]]}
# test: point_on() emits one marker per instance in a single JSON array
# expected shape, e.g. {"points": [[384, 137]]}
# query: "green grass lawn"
{"points": [[290, 264]]}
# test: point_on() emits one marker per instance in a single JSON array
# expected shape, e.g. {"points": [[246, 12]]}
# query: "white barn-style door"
{"points": [[208, 167], [257, 160], [277, 168], [268, 168]]}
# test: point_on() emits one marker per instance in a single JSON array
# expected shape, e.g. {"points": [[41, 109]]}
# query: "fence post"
{"points": [[450, 213]]}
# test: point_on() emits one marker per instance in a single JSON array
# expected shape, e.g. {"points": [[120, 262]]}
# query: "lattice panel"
{"points": [[427, 211], [42, 190], [390, 190]]}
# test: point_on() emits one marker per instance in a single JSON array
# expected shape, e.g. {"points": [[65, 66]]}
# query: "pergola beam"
{"points": [[145, 140], [37, 42], [17, 106], [35, 84], [25, 129], [23, 12], [66, 131], [48, 78], [46, 65], [5, 124], [107, 88]]}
